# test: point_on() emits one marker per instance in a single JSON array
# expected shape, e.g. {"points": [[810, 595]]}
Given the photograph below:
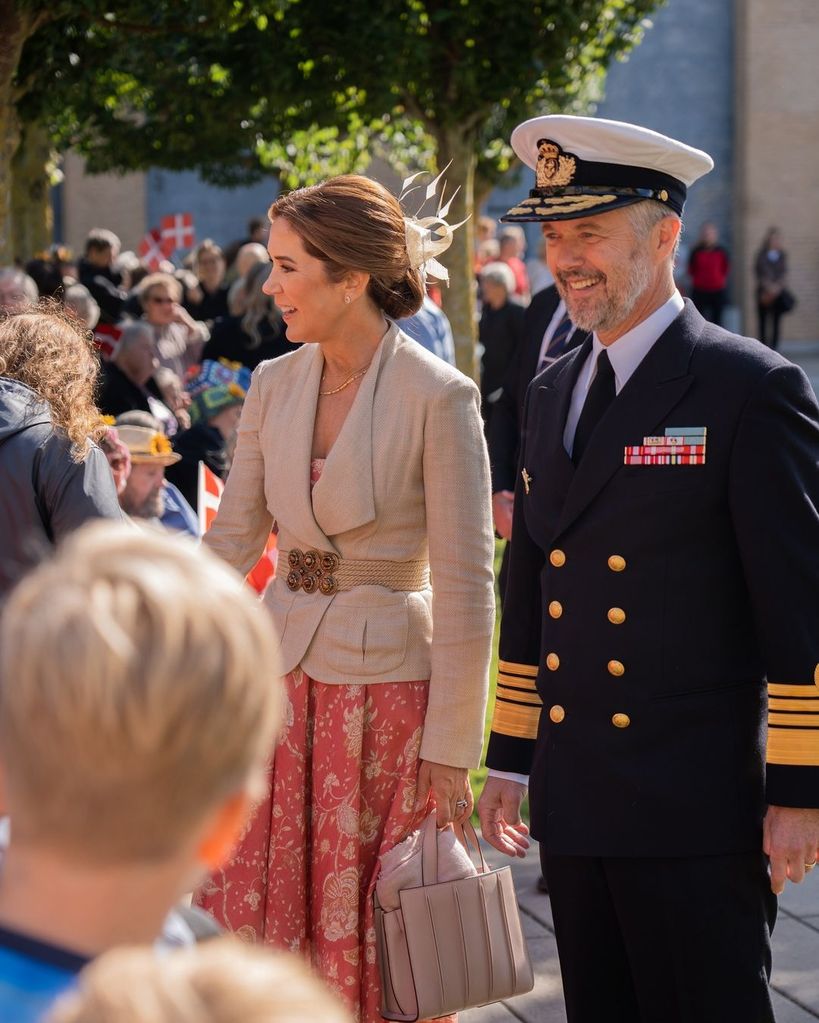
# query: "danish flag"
{"points": [[177, 230], [153, 249], [210, 494]]}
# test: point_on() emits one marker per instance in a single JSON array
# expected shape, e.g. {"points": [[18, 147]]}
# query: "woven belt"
{"points": [[313, 571]]}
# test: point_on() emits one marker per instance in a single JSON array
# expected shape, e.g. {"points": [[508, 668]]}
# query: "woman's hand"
{"points": [[447, 785]]}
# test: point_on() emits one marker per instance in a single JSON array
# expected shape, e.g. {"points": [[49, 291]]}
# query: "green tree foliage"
{"points": [[307, 88]]}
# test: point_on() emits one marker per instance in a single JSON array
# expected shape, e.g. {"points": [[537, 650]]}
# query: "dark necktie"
{"points": [[600, 396], [557, 343]]}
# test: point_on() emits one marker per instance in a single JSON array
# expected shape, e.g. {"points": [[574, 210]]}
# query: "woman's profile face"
{"points": [[298, 283]]}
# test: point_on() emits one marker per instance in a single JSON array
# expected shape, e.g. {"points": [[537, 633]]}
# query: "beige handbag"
{"points": [[452, 945]]}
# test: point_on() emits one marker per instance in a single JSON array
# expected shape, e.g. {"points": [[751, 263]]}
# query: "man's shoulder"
{"points": [[746, 359]]}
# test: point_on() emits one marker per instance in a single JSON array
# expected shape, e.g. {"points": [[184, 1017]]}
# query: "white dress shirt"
{"points": [[625, 355]]}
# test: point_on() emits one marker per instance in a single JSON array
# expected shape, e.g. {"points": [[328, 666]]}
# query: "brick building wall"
{"points": [[778, 146], [115, 201]]}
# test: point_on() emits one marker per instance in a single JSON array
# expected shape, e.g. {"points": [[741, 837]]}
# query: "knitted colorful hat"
{"points": [[213, 400]]}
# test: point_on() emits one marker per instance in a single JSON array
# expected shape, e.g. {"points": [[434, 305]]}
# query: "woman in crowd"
{"points": [[179, 338], [257, 334], [368, 452], [708, 267], [54, 476], [209, 300], [771, 272], [129, 379]]}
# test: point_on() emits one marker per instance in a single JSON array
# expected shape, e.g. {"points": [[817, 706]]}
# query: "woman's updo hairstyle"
{"points": [[353, 223]]}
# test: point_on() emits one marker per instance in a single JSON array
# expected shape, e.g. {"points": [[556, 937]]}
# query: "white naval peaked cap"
{"points": [[589, 165]]}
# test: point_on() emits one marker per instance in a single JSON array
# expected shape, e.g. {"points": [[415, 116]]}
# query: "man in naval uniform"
{"points": [[661, 609]]}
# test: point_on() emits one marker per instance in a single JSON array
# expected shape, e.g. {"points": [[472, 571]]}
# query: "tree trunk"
{"points": [[16, 25], [459, 297], [31, 216]]}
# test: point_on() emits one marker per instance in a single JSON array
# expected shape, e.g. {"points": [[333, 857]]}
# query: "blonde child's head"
{"points": [[220, 981], [139, 697]]}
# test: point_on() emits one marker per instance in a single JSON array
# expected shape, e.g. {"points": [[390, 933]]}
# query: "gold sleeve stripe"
{"points": [[516, 683], [795, 720], [511, 668], [810, 706], [515, 720], [515, 696], [780, 689], [793, 746]]}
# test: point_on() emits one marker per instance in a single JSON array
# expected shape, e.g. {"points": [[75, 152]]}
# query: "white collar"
{"points": [[629, 350]]}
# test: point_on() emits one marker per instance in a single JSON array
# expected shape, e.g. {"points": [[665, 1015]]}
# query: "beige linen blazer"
{"points": [[407, 479]]}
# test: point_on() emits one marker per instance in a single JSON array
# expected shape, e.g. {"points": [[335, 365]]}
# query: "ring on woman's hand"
{"points": [[461, 803]]}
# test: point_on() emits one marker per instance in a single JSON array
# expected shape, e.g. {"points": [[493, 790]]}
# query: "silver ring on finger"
{"points": [[461, 804]]}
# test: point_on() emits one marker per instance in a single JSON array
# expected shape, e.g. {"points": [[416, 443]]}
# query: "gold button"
{"points": [[557, 713], [616, 668], [616, 615], [621, 720], [617, 563], [662, 195], [555, 609], [557, 558], [552, 662]]}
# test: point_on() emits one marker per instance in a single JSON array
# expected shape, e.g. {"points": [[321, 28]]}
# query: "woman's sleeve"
{"points": [[461, 551], [244, 521]]}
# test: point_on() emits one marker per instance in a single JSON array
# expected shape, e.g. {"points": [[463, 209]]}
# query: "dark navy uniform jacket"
{"points": [[660, 613]]}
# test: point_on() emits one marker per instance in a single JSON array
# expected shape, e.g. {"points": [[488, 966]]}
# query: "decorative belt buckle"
{"points": [[312, 570]]}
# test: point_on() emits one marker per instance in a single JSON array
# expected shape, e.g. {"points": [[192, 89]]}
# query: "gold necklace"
{"points": [[347, 382]]}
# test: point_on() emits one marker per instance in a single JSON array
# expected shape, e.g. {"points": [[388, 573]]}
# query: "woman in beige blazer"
{"points": [[368, 453]]}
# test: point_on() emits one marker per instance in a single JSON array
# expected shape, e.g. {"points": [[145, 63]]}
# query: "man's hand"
{"points": [[791, 842], [503, 504], [499, 812]]}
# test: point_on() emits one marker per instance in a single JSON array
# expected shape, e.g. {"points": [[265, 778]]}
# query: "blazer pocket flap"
{"points": [[370, 638]]}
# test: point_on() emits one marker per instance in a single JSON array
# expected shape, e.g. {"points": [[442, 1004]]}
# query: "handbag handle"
{"points": [[429, 847]]}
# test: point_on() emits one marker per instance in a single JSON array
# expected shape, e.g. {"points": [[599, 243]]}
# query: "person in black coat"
{"points": [[97, 273], [256, 335], [128, 380], [55, 477], [548, 333], [208, 301], [655, 624], [500, 332]]}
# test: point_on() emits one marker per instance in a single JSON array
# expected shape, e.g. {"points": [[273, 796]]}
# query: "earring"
{"points": [[347, 300]]}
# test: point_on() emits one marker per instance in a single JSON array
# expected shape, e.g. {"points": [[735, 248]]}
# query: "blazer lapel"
{"points": [[344, 497], [293, 446], [656, 386]]}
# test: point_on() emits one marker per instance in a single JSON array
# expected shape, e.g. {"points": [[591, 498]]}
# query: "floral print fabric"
{"points": [[341, 790]]}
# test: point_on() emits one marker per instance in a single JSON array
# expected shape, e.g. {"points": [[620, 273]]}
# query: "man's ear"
{"points": [[222, 831], [668, 231]]}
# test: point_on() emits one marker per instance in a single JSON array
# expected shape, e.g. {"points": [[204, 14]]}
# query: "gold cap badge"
{"points": [[554, 167]]}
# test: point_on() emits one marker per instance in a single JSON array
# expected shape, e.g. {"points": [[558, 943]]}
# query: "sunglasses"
{"points": [[161, 301]]}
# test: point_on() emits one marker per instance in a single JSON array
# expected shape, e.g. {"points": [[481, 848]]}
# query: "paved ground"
{"points": [[796, 935]]}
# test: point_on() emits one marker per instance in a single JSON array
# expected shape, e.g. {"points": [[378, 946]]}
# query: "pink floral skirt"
{"points": [[341, 791]]}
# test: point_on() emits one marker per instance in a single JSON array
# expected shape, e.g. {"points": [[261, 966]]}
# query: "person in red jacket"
{"points": [[708, 267]]}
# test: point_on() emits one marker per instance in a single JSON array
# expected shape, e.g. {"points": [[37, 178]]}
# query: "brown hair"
{"points": [[353, 223], [49, 351]]}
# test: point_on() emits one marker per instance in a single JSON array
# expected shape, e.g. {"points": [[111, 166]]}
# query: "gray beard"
{"points": [[153, 507], [616, 309]]}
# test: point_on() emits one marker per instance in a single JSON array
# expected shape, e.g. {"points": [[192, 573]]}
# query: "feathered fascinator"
{"points": [[429, 237]]}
